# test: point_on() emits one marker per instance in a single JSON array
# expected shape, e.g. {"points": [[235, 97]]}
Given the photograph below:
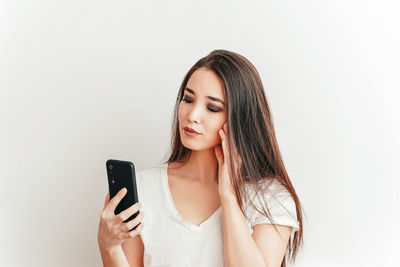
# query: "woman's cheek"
{"points": [[217, 137]]}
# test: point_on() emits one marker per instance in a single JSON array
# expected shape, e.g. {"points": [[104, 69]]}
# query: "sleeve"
{"points": [[282, 208]]}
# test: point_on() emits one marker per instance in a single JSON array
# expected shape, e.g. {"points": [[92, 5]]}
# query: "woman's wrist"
{"points": [[228, 199], [113, 256], [110, 250], [107, 248]]}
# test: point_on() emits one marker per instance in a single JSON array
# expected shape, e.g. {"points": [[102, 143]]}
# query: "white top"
{"points": [[169, 241]]}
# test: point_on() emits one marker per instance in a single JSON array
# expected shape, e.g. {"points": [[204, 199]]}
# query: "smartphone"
{"points": [[121, 174]]}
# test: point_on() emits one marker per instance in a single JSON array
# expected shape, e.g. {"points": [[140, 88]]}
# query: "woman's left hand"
{"points": [[225, 187]]}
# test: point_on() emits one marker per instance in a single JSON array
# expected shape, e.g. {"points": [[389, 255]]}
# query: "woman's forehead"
{"points": [[206, 83]]}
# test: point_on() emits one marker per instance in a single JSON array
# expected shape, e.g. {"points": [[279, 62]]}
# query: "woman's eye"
{"points": [[213, 110], [210, 109], [187, 100]]}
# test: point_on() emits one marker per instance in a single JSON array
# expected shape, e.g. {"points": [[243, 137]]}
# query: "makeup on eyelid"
{"points": [[212, 108]]}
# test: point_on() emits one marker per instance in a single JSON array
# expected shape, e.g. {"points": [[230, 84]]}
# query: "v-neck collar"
{"points": [[164, 178]]}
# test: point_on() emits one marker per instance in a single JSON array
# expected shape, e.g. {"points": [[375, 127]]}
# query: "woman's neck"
{"points": [[202, 166]]}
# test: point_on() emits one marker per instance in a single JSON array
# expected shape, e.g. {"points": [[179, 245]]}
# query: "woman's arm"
{"points": [[239, 246], [114, 257], [114, 235], [265, 248]]}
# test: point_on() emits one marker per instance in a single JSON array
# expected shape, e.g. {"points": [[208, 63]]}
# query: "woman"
{"points": [[223, 197]]}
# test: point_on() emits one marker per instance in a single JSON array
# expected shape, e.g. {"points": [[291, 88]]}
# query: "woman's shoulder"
{"points": [[266, 188], [270, 192]]}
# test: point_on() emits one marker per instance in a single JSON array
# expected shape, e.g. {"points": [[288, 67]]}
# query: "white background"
{"points": [[85, 81]]}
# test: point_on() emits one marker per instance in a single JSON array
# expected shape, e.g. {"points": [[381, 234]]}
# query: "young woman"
{"points": [[223, 197]]}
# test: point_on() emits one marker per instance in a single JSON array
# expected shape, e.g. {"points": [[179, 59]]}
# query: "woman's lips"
{"points": [[191, 130], [191, 134]]}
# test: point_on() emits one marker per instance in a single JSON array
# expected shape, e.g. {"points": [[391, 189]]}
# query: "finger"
{"points": [[224, 145], [226, 149], [125, 214], [107, 199], [133, 233], [222, 135], [132, 223], [116, 199], [223, 141], [226, 153], [218, 154]]}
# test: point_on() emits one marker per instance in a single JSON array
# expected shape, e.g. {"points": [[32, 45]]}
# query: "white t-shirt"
{"points": [[169, 241]]}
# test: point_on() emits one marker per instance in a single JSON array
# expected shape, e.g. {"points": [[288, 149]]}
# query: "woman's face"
{"points": [[202, 108]]}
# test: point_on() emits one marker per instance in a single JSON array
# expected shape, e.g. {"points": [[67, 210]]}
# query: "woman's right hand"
{"points": [[112, 229]]}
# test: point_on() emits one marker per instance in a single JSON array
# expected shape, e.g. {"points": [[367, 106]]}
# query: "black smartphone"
{"points": [[121, 174]]}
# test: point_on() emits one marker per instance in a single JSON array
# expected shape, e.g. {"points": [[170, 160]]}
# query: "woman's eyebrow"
{"points": [[210, 97]]}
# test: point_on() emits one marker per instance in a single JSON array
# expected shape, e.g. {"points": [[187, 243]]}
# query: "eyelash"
{"points": [[190, 101]]}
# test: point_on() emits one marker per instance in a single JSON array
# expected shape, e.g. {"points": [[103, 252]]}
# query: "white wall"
{"points": [[84, 81]]}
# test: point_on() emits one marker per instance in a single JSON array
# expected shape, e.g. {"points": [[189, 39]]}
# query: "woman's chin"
{"points": [[198, 146], [191, 146]]}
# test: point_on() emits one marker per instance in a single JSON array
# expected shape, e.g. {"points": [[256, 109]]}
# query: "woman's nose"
{"points": [[195, 114]]}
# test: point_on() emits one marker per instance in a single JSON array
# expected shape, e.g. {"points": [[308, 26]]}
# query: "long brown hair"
{"points": [[250, 133]]}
